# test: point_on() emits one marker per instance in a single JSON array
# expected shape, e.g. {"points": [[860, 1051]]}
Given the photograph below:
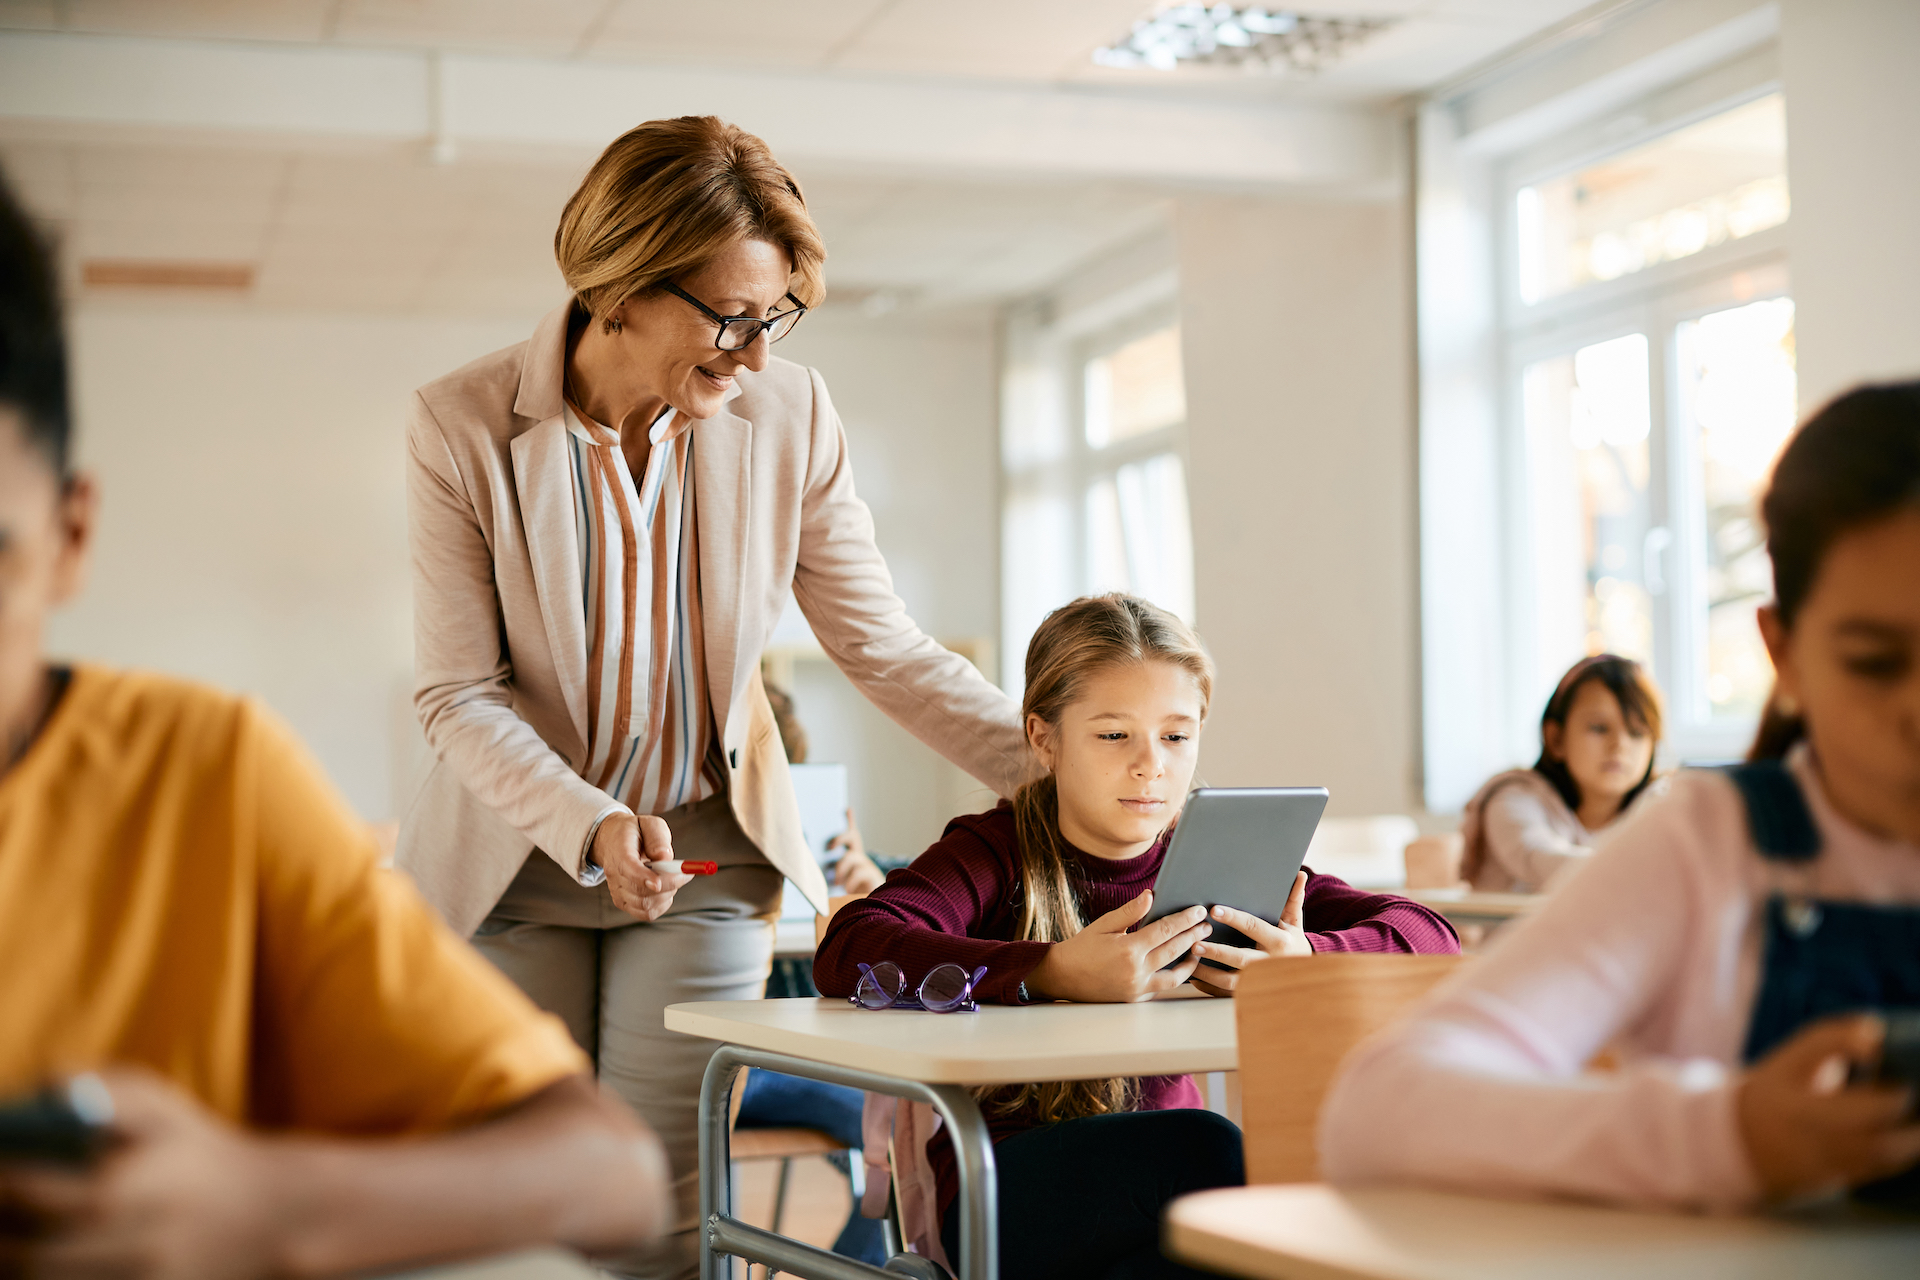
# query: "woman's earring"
{"points": [[1786, 704], [610, 326]]}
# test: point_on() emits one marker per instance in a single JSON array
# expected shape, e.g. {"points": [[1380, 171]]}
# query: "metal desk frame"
{"points": [[726, 1236]]}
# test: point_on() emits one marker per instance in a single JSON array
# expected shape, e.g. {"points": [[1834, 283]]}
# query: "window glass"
{"points": [[1738, 396], [1711, 182], [1136, 389], [1587, 427], [1139, 534]]}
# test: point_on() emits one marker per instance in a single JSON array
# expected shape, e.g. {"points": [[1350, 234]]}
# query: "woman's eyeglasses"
{"points": [[946, 989], [737, 333]]}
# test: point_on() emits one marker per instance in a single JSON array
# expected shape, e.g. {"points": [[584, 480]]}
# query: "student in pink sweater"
{"points": [[1734, 942], [1043, 895]]}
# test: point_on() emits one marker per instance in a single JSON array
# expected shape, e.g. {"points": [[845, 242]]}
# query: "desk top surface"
{"points": [[1479, 906], [999, 1044], [1314, 1232]]}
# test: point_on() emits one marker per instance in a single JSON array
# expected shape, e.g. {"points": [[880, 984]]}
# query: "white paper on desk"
{"points": [[821, 790]]}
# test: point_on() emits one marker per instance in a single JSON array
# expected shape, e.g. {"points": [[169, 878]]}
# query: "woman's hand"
{"points": [[1284, 939], [855, 874], [623, 846], [181, 1195], [1104, 964], [1806, 1131]]}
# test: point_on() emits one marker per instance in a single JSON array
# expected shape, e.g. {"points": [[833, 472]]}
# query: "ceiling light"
{"points": [[1276, 40]]}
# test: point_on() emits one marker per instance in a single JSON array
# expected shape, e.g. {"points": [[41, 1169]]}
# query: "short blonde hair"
{"points": [[667, 198]]}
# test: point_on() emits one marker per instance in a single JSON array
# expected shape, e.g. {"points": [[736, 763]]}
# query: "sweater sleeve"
{"points": [[1485, 1087], [1522, 838], [931, 913], [1339, 917]]}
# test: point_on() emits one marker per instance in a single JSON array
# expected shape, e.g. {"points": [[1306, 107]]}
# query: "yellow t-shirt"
{"points": [[181, 888]]}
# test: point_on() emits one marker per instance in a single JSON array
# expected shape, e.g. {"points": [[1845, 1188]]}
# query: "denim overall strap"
{"points": [[1818, 958]]}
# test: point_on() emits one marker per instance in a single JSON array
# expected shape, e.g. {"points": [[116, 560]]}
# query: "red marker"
{"points": [[674, 866]]}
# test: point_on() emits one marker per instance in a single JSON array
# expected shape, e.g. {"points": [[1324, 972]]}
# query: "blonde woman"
{"points": [[606, 521]]}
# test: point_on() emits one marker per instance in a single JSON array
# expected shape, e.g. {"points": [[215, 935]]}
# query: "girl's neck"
{"points": [[1597, 811]]}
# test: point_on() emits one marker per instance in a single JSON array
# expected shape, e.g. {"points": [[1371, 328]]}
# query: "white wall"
{"points": [[1296, 327], [253, 531], [254, 525], [1853, 111], [917, 397]]}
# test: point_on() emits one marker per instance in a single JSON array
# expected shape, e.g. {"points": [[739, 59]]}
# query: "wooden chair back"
{"points": [[1296, 1019], [1433, 862]]}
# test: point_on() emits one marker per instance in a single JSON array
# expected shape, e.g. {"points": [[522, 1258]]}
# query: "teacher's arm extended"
{"points": [[843, 587]]}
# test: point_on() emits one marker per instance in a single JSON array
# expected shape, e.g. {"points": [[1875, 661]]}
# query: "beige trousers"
{"points": [[610, 977]]}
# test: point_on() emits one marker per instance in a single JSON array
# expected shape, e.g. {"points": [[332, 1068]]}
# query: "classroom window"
{"points": [[1650, 346], [1093, 461]]}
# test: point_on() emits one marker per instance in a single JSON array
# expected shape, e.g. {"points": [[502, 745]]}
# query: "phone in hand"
{"points": [[1900, 1051], [66, 1123]]}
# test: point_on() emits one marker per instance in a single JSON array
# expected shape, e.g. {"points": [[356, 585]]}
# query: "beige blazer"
{"points": [[500, 638]]}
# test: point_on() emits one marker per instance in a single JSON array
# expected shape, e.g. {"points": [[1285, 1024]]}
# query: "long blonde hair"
{"points": [[1076, 642]]}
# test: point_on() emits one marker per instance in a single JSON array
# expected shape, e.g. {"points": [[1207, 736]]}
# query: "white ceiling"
{"points": [[380, 228], [1046, 41], [390, 232]]}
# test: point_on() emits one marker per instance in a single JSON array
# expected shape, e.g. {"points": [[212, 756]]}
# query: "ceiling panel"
{"points": [[1013, 39], [540, 28], [786, 33], [235, 19]]}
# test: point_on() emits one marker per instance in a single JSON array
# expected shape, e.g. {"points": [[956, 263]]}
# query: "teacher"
{"points": [[605, 523]]}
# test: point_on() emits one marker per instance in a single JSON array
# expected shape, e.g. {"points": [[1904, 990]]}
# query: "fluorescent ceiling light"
{"points": [[1254, 39]]}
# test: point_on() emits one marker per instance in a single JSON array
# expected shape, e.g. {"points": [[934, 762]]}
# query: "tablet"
{"points": [[1237, 847]]}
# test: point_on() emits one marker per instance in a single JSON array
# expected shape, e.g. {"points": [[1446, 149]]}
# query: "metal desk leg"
{"points": [[728, 1236]]}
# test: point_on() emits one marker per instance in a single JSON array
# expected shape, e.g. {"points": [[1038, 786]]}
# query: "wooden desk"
{"points": [[931, 1058], [535, 1264], [1458, 904], [1309, 1231]]}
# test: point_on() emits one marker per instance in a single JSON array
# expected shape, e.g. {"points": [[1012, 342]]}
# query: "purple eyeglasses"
{"points": [[947, 988]]}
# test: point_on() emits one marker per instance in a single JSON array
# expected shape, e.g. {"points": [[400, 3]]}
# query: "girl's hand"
{"points": [[856, 875], [1284, 939], [1806, 1131], [1104, 964], [623, 846]]}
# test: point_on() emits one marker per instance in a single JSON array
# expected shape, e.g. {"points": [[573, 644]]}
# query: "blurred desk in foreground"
{"points": [[1309, 1231], [533, 1264], [1477, 908]]}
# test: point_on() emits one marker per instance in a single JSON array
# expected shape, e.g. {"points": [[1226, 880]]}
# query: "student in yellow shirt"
{"points": [[309, 1074]]}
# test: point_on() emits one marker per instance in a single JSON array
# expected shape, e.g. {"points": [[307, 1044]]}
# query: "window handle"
{"points": [[1653, 559]]}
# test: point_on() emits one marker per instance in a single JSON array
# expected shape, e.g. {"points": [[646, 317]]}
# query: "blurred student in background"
{"points": [[1598, 735], [1735, 939], [307, 1073]]}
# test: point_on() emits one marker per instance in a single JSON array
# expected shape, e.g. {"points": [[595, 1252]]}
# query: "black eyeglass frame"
{"points": [[760, 326]]}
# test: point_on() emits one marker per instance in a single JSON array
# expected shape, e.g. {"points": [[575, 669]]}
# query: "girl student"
{"points": [[1044, 892], [1733, 941], [1528, 827]]}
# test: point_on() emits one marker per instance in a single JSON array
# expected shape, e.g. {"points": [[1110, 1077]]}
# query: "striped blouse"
{"points": [[651, 740]]}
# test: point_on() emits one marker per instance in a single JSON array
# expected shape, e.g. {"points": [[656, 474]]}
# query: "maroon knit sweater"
{"points": [[958, 903]]}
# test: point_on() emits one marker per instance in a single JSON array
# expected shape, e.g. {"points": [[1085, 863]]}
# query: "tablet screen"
{"points": [[1238, 847]]}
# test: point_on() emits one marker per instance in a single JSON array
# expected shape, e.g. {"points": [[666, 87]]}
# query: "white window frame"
{"points": [[1046, 348], [1654, 302]]}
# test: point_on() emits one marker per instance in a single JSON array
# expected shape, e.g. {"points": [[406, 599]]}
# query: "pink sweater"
{"points": [[1651, 949]]}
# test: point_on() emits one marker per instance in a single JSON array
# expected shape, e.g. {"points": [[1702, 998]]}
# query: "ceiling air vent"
{"points": [[111, 273], [1276, 41]]}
